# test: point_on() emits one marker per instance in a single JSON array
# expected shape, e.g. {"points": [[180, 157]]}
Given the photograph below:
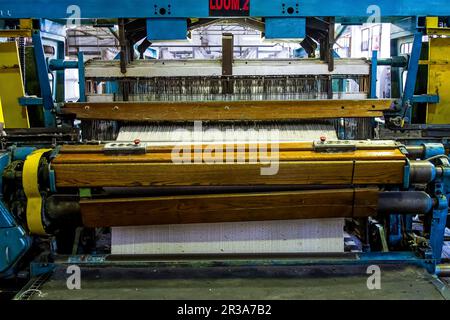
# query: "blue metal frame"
{"points": [[14, 241], [166, 29], [433, 149], [58, 9], [411, 79], [81, 77], [61, 65], [285, 28], [374, 75], [346, 259], [42, 73], [439, 219], [440, 211], [426, 98], [440, 191], [21, 153]]}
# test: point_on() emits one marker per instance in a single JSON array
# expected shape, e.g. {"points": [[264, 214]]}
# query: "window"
{"points": [[365, 35], [376, 38], [406, 48]]}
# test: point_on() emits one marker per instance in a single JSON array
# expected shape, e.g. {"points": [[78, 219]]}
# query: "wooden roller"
{"points": [[298, 164]]}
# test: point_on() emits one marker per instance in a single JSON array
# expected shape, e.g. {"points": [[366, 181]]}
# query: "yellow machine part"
{"points": [[31, 188], [433, 27], [25, 30], [2, 119], [11, 87], [438, 72]]}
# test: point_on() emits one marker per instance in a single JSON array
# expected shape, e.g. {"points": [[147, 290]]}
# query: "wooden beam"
{"points": [[230, 207], [169, 174], [88, 166], [227, 110]]}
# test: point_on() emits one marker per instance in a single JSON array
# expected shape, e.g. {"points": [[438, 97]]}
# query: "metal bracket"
{"points": [[124, 148], [426, 98], [334, 146]]}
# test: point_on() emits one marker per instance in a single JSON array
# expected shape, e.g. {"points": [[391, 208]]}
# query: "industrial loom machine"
{"points": [[72, 172]]}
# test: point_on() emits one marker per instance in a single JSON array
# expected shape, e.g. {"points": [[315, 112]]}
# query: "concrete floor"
{"points": [[221, 283]]}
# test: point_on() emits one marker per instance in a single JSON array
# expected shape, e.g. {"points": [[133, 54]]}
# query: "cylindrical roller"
{"points": [[415, 152], [396, 62], [425, 151], [62, 211], [422, 172], [406, 202]]}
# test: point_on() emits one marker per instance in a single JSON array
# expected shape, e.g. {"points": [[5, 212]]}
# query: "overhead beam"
{"points": [[59, 9], [212, 68]]}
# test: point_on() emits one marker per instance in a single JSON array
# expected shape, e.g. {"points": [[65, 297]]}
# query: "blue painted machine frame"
{"points": [[14, 239], [346, 12], [362, 9]]}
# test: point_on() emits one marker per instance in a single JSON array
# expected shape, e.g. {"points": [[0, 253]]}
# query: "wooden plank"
{"points": [[289, 173], [227, 110], [145, 69], [379, 172], [149, 174], [365, 203], [229, 207]]}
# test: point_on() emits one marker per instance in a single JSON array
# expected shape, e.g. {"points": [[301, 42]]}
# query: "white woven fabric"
{"points": [[324, 235]]}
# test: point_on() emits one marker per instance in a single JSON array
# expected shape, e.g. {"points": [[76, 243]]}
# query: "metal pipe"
{"points": [[422, 172], [415, 152], [396, 62], [407, 202], [63, 211], [425, 151], [59, 64]]}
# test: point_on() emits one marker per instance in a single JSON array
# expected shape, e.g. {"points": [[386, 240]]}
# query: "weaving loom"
{"points": [[266, 81], [223, 161]]}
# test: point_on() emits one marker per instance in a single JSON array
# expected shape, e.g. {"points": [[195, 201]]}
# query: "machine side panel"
{"points": [[439, 80], [11, 87]]}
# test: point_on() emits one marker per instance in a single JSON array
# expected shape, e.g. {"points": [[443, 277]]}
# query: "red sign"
{"points": [[229, 8]]}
